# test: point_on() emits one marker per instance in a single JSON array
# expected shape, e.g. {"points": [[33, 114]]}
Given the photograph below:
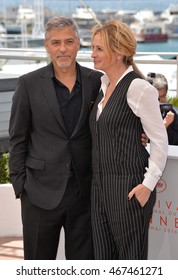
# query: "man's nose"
{"points": [[62, 47]]}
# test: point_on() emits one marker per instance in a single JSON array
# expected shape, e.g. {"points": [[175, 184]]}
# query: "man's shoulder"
{"points": [[37, 72], [90, 71], [175, 110]]}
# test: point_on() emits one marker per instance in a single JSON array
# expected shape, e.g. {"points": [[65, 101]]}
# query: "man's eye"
{"points": [[55, 43]]}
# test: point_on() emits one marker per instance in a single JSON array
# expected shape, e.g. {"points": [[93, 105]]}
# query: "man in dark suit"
{"points": [[169, 113], [50, 148]]}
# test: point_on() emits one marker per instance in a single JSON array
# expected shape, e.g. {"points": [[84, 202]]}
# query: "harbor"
{"points": [[22, 25], [22, 50], [22, 47]]}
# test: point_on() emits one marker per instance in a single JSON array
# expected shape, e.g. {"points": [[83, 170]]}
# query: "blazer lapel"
{"points": [[50, 96], [86, 98]]}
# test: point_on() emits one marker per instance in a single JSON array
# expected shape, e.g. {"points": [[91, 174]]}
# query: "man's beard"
{"points": [[64, 64]]}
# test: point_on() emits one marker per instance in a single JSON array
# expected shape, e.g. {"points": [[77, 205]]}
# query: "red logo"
{"points": [[161, 186]]}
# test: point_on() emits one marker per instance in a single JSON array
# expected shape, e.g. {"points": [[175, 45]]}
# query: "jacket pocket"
{"points": [[35, 163]]}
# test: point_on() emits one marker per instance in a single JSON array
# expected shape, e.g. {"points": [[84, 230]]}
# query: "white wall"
{"points": [[163, 233], [10, 216]]}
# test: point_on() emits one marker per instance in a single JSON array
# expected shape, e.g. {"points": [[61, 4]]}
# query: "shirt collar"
{"points": [[105, 79], [78, 78]]}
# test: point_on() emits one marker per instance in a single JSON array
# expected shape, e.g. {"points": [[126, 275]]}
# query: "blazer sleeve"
{"points": [[172, 131], [19, 130]]}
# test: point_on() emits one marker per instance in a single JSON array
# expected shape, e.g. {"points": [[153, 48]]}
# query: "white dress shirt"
{"points": [[142, 98]]}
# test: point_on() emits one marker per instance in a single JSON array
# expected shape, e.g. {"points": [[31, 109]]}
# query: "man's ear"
{"points": [[46, 45], [78, 44]]}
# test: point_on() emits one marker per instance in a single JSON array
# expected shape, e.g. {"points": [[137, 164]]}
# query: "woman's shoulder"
{"points": [[144, 84]]}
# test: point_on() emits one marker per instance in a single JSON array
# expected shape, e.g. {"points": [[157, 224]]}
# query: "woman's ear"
{"points": [[118, 57]]}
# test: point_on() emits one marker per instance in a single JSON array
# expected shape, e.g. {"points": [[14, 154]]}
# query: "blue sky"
{"points": [[98, 5]]}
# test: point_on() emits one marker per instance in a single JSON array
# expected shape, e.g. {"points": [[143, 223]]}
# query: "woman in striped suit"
{"points": [[124, 174]]}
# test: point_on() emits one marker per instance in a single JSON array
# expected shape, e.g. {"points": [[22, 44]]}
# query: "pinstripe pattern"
{"points": [[120, 227]]}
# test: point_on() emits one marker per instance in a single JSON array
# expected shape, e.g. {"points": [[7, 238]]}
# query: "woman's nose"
{"points": [[93, 54]]}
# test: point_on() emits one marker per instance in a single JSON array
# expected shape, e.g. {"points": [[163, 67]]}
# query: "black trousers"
{"points": [[41, 228], [120, 226]]}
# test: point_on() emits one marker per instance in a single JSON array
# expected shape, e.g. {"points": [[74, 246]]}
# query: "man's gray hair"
{"points": [[158, 80], [60, 22]]}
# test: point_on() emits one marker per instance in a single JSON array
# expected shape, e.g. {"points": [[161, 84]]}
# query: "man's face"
{"points": [[62, 45], [162, 95]]}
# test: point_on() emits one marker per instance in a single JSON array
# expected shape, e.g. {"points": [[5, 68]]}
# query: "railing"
{"points": [[142, 59], [18, 61], [23, 54]]}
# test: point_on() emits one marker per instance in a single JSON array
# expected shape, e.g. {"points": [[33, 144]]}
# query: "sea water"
{"points": [[170, 46]]}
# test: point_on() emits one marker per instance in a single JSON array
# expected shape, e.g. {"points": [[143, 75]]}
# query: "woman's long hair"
{"points": [[117, 37]]}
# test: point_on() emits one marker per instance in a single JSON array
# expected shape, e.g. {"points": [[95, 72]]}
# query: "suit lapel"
{"points": [[50, 96], [86, 98], [49, 92]]}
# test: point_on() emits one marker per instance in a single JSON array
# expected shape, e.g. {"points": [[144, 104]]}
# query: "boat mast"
{"points": [[5, 20], [23, 23], [93, 15], [38, 28]]}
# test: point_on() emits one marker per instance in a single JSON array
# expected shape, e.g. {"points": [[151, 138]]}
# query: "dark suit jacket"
{"points": [[172, 130], [40, 150]]}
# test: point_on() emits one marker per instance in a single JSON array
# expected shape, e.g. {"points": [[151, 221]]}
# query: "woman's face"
{"points": [[100, 57]]}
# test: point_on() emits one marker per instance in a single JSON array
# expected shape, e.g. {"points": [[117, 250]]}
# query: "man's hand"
{"points": [[168, 119], [20, 195], [144, 139]]}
